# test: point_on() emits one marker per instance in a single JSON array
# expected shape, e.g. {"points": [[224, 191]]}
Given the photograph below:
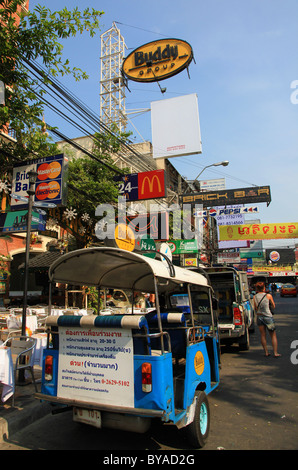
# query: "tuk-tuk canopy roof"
{"points": [[116, 268]]}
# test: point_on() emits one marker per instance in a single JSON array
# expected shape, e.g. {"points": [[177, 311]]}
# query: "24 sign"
{"points": [[145, 185]]}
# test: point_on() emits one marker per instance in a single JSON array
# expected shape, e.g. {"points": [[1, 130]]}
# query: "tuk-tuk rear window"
{"points": [[200, 303]]}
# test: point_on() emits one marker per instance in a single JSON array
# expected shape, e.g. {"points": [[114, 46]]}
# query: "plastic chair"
{"points": [[23, 348], [41, 323]]}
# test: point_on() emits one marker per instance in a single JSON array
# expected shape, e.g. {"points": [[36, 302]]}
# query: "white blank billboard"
{"points": [[176, 127]]}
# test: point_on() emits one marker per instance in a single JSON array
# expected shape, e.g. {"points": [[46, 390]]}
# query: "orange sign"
{"points": [[49, 190], [157, 60], [50, 187], [49, 170], [124, 237], [199, 363], [258, 231]]}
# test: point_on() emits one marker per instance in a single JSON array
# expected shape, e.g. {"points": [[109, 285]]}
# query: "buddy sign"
{"points": [[157, 60], [50, 186]]}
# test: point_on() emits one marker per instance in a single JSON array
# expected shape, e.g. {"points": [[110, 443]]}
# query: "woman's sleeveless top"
{"points": [[263, 308]]}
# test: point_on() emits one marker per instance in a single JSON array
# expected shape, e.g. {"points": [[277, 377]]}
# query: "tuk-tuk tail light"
{"points": [[146, 377], [48, 370], [237, 316]]}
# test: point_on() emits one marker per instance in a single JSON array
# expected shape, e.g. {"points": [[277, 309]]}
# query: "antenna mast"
{"points": [[112, 88]]}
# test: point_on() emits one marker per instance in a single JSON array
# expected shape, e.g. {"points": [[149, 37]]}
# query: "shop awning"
{"points": [[42, 261]]}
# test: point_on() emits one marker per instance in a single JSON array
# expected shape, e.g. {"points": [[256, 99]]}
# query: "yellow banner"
{"points": [[258, 231], [271, 268]]}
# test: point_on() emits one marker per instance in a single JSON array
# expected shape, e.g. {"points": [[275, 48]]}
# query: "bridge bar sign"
{"points": [[229, 197]]}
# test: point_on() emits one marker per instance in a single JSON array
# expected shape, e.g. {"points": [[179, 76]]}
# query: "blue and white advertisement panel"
{"points": [[230, 219], [50, 186]]}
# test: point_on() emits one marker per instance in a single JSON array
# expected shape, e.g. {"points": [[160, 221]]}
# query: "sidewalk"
{"points": [[26, 410]]}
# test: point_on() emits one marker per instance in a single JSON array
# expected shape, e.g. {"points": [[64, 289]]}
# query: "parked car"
{"points": [[288, 289]]}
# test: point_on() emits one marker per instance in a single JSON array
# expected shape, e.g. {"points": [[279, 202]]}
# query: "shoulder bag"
{"points": [[270, 307]]}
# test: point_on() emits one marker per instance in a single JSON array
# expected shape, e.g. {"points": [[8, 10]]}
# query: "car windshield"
{"points": [[288, 285]]}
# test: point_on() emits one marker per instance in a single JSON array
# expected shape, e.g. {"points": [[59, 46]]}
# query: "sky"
{"points": [[245, 75]]}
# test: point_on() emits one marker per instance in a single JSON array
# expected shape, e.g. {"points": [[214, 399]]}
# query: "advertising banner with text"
{"points": [[96, 365], [259, 231], [145, 185], [50, 186], [229, 197]]}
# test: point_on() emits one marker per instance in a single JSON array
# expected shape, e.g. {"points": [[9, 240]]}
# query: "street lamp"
{"points": [[224, 163], [32, 175]]}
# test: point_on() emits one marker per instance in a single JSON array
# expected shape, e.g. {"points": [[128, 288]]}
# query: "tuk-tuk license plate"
{"points": [[91, 417]]}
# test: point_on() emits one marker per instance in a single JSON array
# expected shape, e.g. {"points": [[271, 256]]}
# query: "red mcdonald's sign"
{"points": [[151, 184]]}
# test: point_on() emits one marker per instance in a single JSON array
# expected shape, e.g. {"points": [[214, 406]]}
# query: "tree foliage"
{"points": [[92, 179], [36, 36]]}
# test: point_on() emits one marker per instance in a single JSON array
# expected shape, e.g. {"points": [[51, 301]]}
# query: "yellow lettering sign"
{"points": [[258, 231], [150, 184], [199, 363], [157, 60], [124, 237]]}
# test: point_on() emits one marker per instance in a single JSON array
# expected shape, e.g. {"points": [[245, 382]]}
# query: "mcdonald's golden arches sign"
{"points": [[145, 185]]}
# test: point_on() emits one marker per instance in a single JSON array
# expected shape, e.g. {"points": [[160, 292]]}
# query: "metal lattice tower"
{"points": [[112, 88]]}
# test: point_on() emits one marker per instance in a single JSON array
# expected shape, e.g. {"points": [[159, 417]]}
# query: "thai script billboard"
{"points": [[259, 231], [96, 365]]}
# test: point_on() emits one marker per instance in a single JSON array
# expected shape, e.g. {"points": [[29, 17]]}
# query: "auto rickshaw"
{"points": [[125, 365]]}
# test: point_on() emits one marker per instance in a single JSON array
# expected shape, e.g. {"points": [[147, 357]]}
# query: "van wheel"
{"points": [[197, 431], [244, 341]]}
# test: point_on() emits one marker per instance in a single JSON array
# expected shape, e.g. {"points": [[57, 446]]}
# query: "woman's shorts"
{"points": [[266, 321]]}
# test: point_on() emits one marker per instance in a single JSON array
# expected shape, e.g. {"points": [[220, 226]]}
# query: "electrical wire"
{"points": [[77, 108], [219, 173], [81, 109], [141, 29]]}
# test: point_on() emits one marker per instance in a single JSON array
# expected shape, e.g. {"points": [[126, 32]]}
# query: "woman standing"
{"points": [[265, 321]]}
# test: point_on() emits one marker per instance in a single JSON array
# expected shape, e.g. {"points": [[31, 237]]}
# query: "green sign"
{"points": [[145, 244], [251, 254], [183, 246], [16, 221]]}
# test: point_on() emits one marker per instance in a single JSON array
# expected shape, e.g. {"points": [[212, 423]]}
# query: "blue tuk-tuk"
{"points": [[130, 362]]}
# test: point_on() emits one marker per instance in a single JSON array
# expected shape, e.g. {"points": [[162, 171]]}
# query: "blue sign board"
{"points": [[50, 186]]}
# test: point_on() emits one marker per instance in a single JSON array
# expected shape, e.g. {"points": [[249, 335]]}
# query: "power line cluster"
{"points": [[73, 111]]}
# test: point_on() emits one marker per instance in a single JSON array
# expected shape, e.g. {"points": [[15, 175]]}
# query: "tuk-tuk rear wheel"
{"points": [[197, 431]]}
